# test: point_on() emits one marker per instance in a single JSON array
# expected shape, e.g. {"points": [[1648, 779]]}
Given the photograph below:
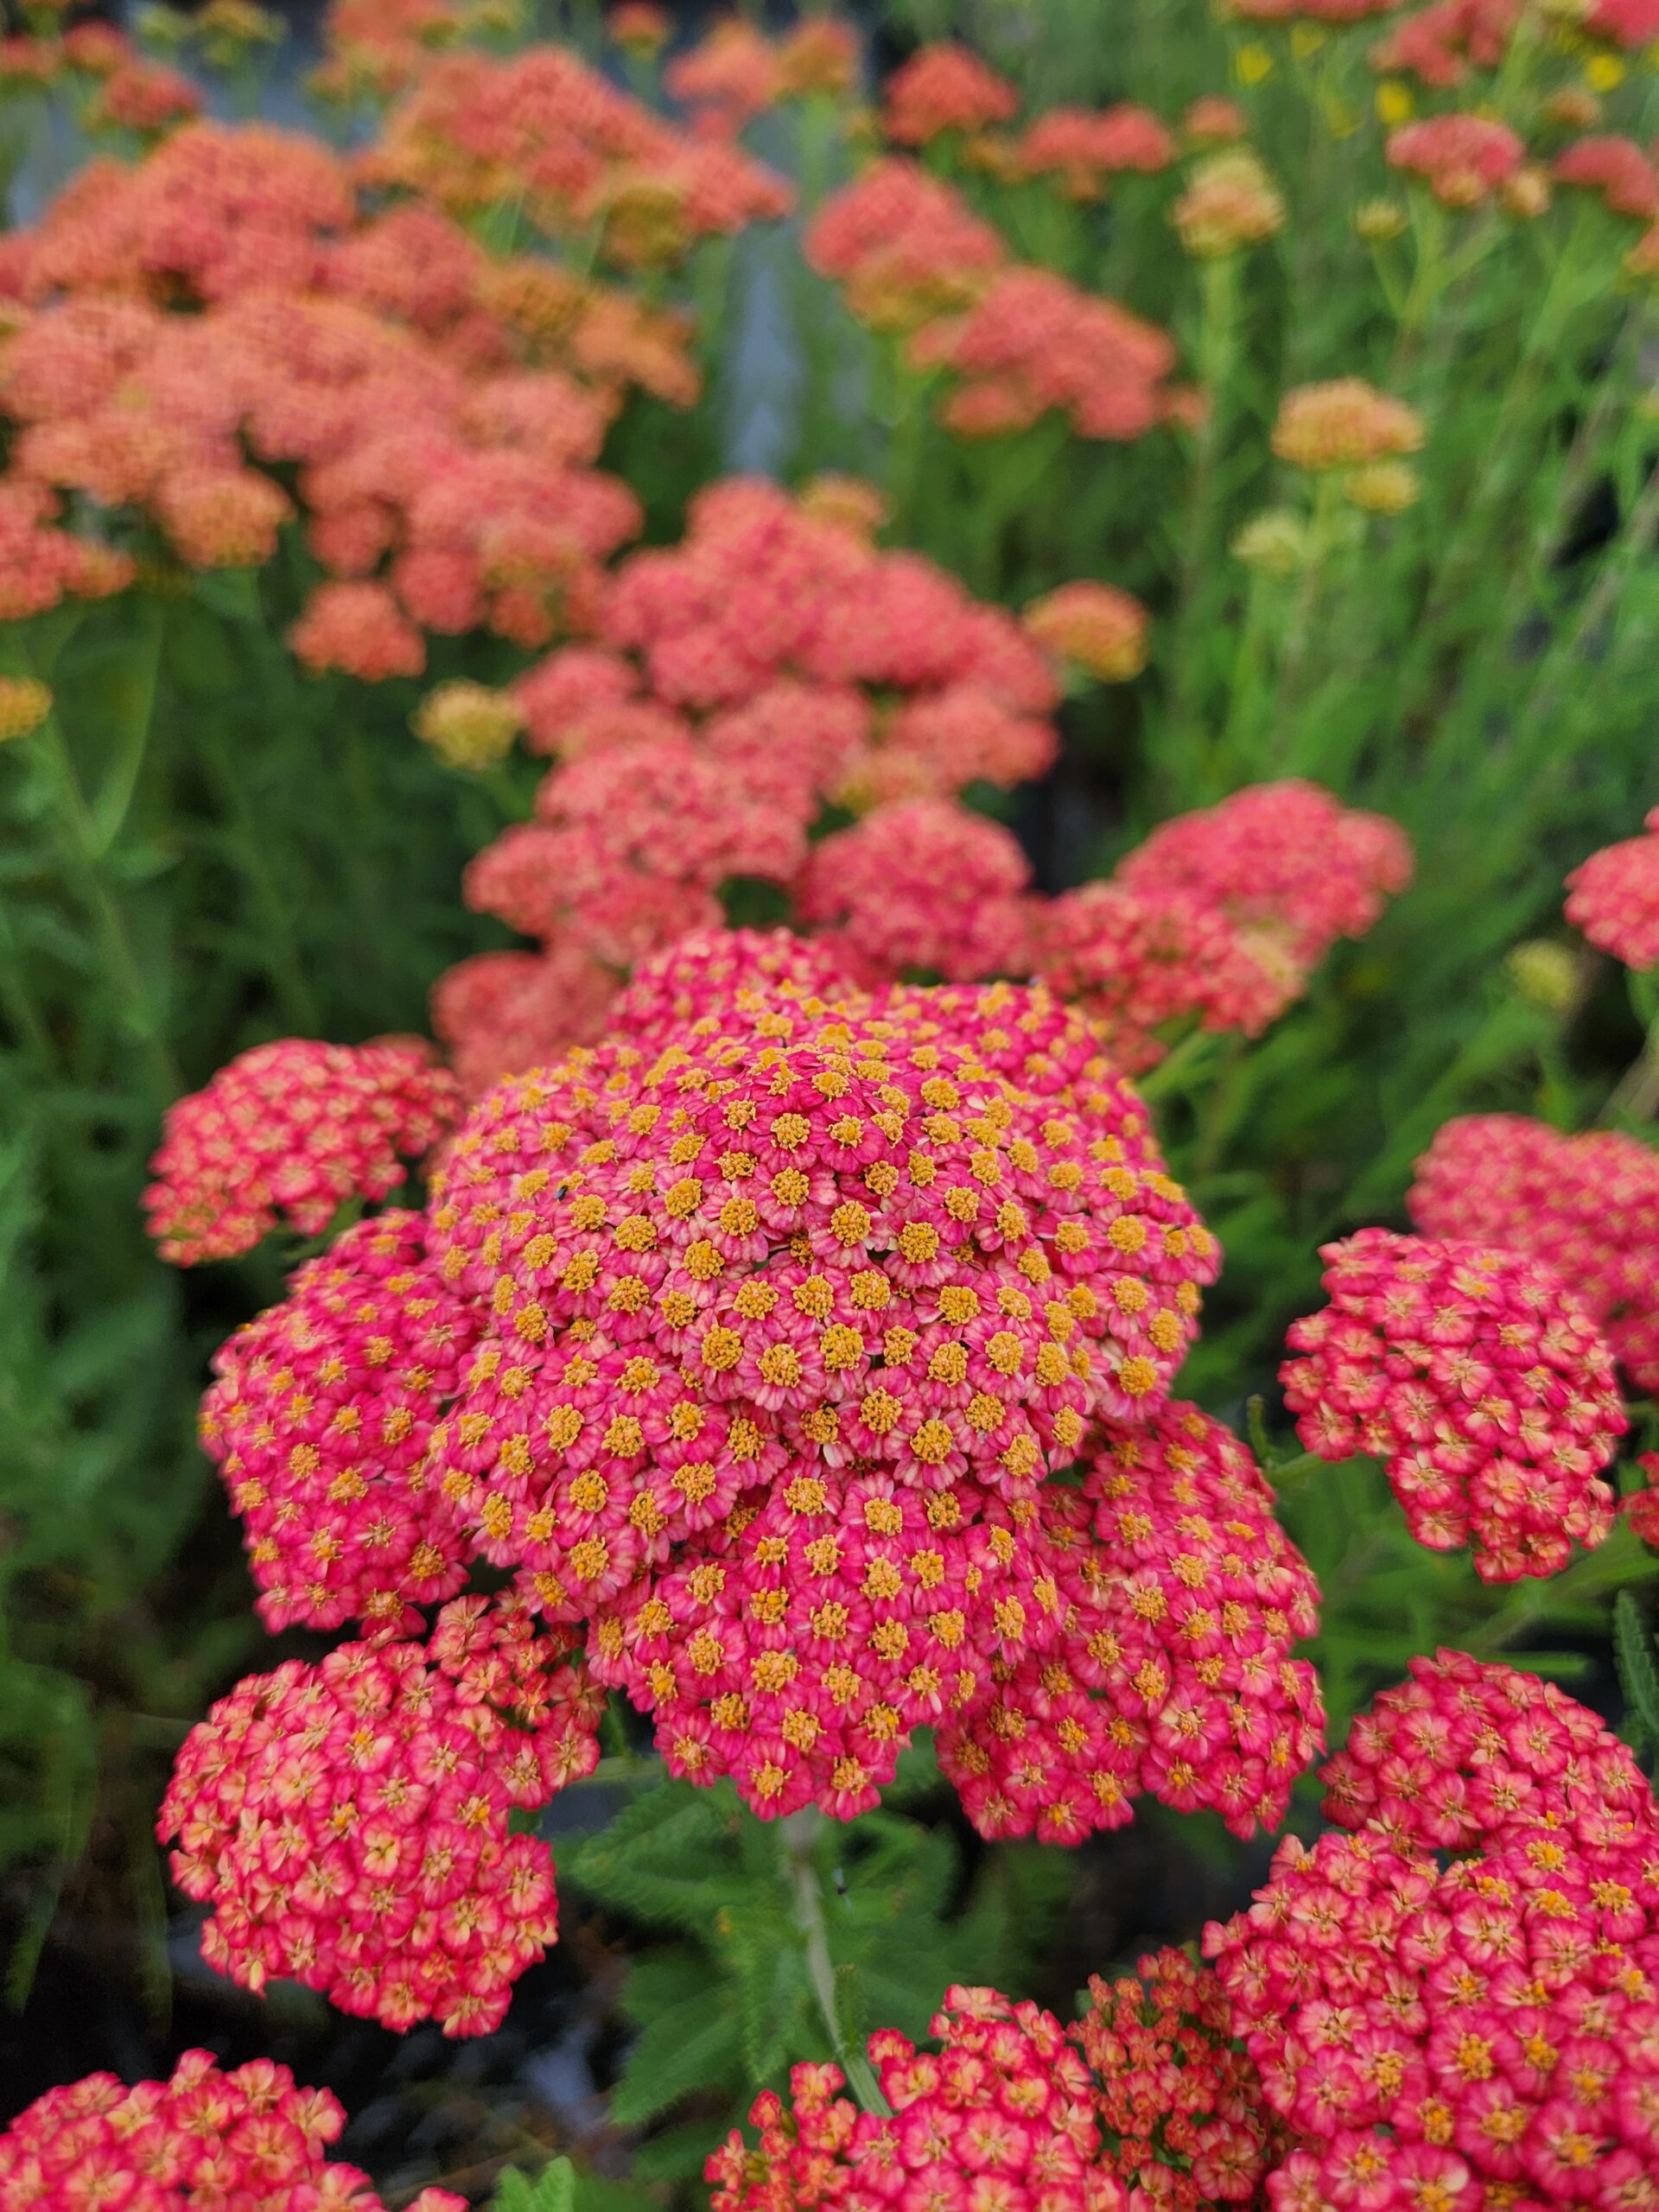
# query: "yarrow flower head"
{"points": [[1229, 202], [1454, 2004], [1002, 2114], [1439, 44], [923, 883], [716, 979], [1483, 1386], [468, 725], [1083, 149], [319, 1423], [1093, 626], [349, 1823], [1343, 425], [944, 87], [498, 1014], [1616, 168], [1180, 2108], [1613, 897], [25, 703], [288, 1132], [1172, 1673], [1462, 159], [1586, 1207], [202, 2140]]}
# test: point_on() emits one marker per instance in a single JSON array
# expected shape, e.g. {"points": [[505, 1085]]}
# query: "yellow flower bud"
{"points": [[466, 724]]}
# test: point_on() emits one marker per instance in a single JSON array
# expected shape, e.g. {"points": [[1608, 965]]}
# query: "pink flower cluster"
{"points": [[1143, 2106], [1586, 1207], [1462, 159], [1454, 2005], [1220, 916], [736, 73], [1616, 168], [1171, 1672], [842, 1245], [1483, 1386], [1613, 897], [1002, 2115], [718, 979], [201, 2141], [349, 1822], [498, 1013], [1439, 44], [290, 1132], [770, 664], [905, 246], [1083, 148], [319, 1423], [944, 87], [1184, 2123], [583, 159]]}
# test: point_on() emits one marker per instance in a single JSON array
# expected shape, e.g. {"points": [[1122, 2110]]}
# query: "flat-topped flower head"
{"points": [[797, 1645], [1454, 2005], [1002, 2115], [349, 1823], [1586, 1207], [713, 979], [1180, 2108], [931, 1238], [201, 2140], [497, 1013], [1613, 897], [1172, 1673], [923, 883], [1230, 202], [288, 1132], [1478, 1381], [944, 87], [1095, 627], [1082, 150], [1343, 425], [320, 1422], [1462, 159]]}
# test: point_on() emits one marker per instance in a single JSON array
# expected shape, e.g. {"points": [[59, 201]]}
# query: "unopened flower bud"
{"points": [[1274, 542], [1545, 976], [1378, 220], [25, 703], [1382, 487], [1230, 202], [468, 725]]}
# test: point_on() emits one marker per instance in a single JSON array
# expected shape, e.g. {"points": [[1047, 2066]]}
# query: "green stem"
{"points": [[1321, 543], [279, 954], [1290, 1474], [800, 1835], [80, 835]]}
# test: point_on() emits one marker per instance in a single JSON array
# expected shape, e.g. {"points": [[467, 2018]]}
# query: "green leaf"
{"points": [[694, 2046], [1638, 1673]]}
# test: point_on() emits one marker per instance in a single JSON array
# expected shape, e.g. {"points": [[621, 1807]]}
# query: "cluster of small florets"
{"points": [[1454, 2005], [1462, 159], [1618, 170], [1083, 148], [736, 73], [771, 664], [1483, 1386], [201, 2140], [944, 87], [715, 978], [288, 1132], [922, 885], [498, 1013], [1001, 2115], [25, 703], [904, 245], [1229, 202], [1613, 897], [319, 1423], [836, 1246], [1343, 425], [1094, 627], [1180, 2108], [543, 130], [1220, 916], [443, 466], [1439, 44], [1170, 1674], [1587, 1207], [1034, 342], [349, 1823]]}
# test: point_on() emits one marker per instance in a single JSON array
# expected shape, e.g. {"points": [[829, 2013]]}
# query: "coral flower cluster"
{"points": [[1343, 425], [944, 87], [1613, 897], [1452, 2004], [737, 72], [349, 1823], [1143, 2102], [1587, 1207], [290, 1132], [582, 158], [1082, 150], [1220, 916], [1483, 1386], [201, 2140], [1462, 159]]}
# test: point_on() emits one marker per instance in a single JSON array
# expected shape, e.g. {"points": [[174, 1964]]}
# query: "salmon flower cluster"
{"points": [[902, 245], [1462, 159], [1094, 627], [1480, 1382], [1585, 1207], [1141, 2103], [736, 73], [201, 2139], [349, 1823], [1613, 897], [944, 87], [290, 1132], [1450, 1997], [1220, 916], [1343, 425], [582, 158]]}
